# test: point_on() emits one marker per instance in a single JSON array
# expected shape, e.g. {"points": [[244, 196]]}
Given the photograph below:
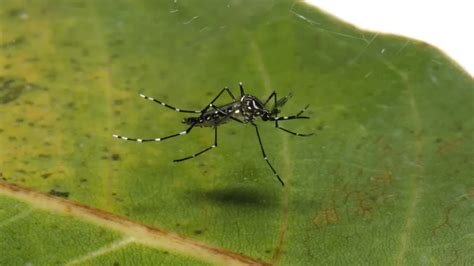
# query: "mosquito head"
{"points": [[267, 116]]}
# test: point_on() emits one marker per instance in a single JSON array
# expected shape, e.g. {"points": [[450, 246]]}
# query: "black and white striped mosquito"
{"points": [[243, 110]]}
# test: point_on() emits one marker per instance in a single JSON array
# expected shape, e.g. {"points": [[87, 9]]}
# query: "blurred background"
{"points": [[444, 24]]}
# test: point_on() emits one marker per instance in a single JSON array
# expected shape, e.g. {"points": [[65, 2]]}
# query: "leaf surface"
{"points": [[386, 180]]}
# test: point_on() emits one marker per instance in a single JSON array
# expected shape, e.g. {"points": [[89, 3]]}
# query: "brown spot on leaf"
{"points": [[448, 145], [447, 215], [326, 217], [347, 202], [363, 205], [471, 192]]}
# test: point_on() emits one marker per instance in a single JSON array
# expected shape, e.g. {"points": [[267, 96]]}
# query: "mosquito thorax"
{"points": [[251, 106]]}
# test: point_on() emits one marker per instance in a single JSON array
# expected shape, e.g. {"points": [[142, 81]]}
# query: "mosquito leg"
{"points": [[274, 95], [237, 120], [178, 109], [211, 104], [167, 105], [155, 139], [274, 104], [217, 108], [203, 151], [241, 86], [265, 156], [297, 116], [294, 133], [291, 117], [229, 115], [230, 94], [302, 110], [177, 134], [220, 110]]}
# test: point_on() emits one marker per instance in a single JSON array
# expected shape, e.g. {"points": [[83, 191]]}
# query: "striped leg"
{"points": [[154, 139], [265, 156], [181, 110], [180, 133], [294, 133], [291, 117], [167, 105], [297, 116], [203, 151]]}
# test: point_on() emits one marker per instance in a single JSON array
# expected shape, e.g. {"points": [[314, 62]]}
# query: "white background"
{"points": [[448, 25]]}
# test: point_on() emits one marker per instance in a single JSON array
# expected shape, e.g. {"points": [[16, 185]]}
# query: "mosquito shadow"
{"points": [[238, 196]]}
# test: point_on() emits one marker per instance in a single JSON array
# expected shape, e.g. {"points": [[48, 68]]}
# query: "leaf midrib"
{"points": [[141, 233]]}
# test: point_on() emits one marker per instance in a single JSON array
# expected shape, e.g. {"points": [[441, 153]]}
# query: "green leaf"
{"points": [[386, 180]]}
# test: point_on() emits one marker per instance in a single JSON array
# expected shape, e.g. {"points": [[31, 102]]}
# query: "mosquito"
{"points": [[243, 110]]}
